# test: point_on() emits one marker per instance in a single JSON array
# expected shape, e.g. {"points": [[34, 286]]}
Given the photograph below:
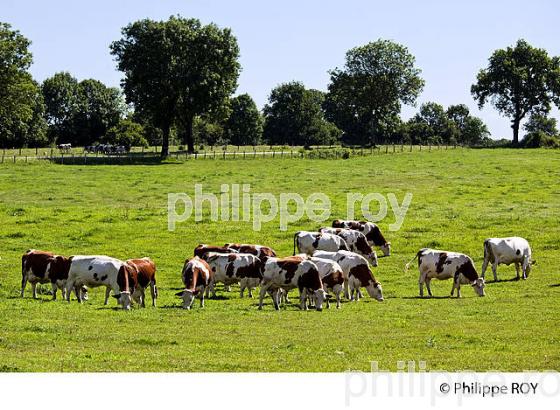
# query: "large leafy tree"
{"points": [[80, 112], [518, 81], [365, 95], [245, 123], [294, 116], [176, 70], [21, 103]]}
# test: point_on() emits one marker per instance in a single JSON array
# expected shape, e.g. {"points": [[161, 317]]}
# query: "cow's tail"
{"points": [[487, 251], [407, 266], [295, 239]]}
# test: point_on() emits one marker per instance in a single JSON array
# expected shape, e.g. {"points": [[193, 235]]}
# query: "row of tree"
{"points": [[180, 75]]}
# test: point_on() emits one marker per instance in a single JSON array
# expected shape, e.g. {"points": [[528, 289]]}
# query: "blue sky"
{"points": [[300, 40]]}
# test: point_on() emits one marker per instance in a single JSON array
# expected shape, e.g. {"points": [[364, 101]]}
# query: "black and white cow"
{"points": [[370, 230], [230, 268], [289, 273], [357, 274], [445, 265], [356, 242], [507, 251], [332, 277], [309, 242]]}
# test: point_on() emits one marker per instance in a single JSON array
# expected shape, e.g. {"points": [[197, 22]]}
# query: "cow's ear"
{"points": [[180, 294]]}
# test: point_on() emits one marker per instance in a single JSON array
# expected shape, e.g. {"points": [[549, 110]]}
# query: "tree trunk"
{"points": [[188, 138], [165, 142], [515, 126]]}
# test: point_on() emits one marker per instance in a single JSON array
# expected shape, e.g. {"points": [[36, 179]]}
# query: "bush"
{"points": [[539, 139], [126, 133]]}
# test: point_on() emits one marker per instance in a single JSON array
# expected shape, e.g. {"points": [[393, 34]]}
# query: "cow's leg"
{"points": [[517, 270], [302, 298], [421, 280], [458, 286], [262, 294], [34, 288], [78, 293], [276, 298], [346, 291], [242, 286], [63, 292], [213, 289], [69, 286], [143, 296], [495, 269], [484, 266], [202, 299], [428, 287], [54, 289], [360, 295], [107, 294], [23, 284], [250, 290], [153, 291]]}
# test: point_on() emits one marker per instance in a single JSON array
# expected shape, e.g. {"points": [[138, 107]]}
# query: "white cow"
{"points": [[357, 274], [94, 271], [507, 251], [446, 265], [309, 242]]}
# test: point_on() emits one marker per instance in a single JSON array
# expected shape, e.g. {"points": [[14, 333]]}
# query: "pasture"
{"points": [[460, 198]]}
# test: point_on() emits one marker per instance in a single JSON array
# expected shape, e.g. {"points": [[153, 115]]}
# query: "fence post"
{"points": [[430, 146], [14, 158], [386, 149], [393, 147]]}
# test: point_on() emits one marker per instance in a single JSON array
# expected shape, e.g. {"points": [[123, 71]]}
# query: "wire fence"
{"points": [[153, 154]]}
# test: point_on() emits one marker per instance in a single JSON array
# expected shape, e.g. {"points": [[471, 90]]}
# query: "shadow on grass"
{"points": [[514, 279], [427, 297], [557, 285], [129, 159]]}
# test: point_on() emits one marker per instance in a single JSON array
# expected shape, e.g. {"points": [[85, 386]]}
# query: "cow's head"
{"points": [[372, 258], [320, 296], [478, 286], [375, 291], [125, 299], [188, 297], [386, 249]]}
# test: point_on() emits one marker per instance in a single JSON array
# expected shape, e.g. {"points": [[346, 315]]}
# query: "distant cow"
{"points": [[309, 242], [93, 271], [356, 241], [146, 276], [201, 250], [261, 252], [289, 273], [197, 277], [445, 265], [357, 274], [242, 268], [44, 267], [507, 251], [370, 230], [64, 147]]}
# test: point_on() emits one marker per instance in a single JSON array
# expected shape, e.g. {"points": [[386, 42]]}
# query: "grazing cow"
{"points": [[445, 265], [261, 252], [370, 230], [242, 268], [292, 272], [507, 250], [197, 277], [64, 147], [332, 277], [357, 274], [309, 242], [201, 250], [356, 241], [146, 269], [94, 271], [43, 267]]}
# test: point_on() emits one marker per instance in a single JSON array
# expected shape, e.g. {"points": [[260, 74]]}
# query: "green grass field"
{"points": [[460, 198]]}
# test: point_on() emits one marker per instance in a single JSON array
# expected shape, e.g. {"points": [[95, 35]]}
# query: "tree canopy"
{"points": [[366, 95], [518, 81], [245, 123], [175, 70]]}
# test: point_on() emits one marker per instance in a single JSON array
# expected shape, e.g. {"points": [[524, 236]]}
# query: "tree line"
{"points": [[180, 77]]}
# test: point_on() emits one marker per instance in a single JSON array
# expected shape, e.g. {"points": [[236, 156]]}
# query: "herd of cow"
{"points": [[333, 260]]}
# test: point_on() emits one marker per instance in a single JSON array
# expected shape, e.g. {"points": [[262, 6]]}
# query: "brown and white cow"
{"points": [[289, 273], [370, 230], [357, 242], [309, 242], [357, 274], [332, 277], [446, 265], [201, 250], [95, 270], [146, 276], [197, 277], [44, 267], [259, 251], [242, 268]]}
